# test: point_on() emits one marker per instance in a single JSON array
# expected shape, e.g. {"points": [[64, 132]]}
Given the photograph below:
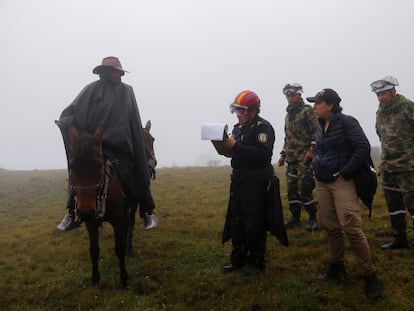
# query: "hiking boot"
{"points": [[336, 271], [312, 224], [373, 287], [68, 223], [292, 223], [399, 242]]}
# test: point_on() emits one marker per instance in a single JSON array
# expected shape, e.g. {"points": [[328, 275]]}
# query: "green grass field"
{"points": [[177, 266]]}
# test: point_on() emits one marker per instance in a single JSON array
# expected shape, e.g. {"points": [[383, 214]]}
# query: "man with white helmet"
{"points": [[300, 128], [395, 127]]}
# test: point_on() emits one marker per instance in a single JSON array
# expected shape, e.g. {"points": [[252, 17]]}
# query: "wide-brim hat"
{"points": [[109, 62]]}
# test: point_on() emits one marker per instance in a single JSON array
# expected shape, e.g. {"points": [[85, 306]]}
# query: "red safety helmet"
{"points": [[245, 101]]}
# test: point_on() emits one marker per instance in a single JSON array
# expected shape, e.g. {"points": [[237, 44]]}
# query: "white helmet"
{"points": [[292, 88], [383, 84]]}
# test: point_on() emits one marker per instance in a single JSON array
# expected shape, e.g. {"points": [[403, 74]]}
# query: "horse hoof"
{"points": [[95, 281], [124, 280], [124, 283], [129, 252]]}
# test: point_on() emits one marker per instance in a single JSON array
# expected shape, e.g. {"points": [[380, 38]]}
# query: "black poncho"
{"points": [[113, 107]]}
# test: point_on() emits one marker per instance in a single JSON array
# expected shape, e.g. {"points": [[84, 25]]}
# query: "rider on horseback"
{"points": [[110, 104]]}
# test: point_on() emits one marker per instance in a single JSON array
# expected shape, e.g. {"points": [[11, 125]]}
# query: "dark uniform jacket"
{"points": [[113, 107], [254, 149]]}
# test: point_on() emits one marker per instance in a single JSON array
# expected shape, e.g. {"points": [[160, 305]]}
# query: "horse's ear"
{"points": [[73, 135], [99, 133], [148, 125]]}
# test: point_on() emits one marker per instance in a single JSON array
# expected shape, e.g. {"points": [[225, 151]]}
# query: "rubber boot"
{"points": [[399, 242], [295, 220], [312, 223]]}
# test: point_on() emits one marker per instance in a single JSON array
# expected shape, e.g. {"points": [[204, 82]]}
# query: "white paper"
{"points": [[213, 131]]}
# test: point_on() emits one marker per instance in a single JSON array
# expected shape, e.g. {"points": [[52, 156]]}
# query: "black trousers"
{"points": [[248, 227]]}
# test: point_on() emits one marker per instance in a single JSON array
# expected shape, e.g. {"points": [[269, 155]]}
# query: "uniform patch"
{"points": [[262, 137]]}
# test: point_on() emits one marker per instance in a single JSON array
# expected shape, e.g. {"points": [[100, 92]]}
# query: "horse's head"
{"points": [[149, 143], [86, 165]]}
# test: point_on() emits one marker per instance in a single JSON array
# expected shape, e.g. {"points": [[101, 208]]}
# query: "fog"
{"points": [[187, 60]]}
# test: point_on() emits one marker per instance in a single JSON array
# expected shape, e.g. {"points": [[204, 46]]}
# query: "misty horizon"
{"points": [[188, 60]]}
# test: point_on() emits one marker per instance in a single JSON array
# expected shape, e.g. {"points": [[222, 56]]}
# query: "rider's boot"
{"points": [[69, 221]]}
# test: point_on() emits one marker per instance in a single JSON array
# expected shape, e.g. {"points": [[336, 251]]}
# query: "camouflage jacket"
{"points": [[300, 128], [395, 129]]}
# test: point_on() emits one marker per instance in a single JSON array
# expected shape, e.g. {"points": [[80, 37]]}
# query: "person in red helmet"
{"points": [[254, 187]]}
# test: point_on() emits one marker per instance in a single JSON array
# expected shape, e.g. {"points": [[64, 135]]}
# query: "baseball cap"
{"points": [[325, 95]]}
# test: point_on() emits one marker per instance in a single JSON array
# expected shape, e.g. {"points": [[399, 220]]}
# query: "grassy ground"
{"points": [[177, 266]]}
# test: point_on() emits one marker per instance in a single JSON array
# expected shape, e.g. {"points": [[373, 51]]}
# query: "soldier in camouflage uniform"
{"points": [[300, 128], [395, 128]]}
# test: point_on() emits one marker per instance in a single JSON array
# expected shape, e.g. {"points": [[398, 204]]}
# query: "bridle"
{"points": [[101, 188]]}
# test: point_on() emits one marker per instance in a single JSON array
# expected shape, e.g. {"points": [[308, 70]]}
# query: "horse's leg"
{"points": [[120, 233], [132, 209], [92, 227]]}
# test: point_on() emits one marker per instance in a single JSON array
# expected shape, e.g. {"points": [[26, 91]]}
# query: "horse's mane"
{"points": [[84, 155]]}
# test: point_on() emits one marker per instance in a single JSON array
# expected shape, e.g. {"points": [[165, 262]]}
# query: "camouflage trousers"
{"points": [[398, 191], [300, 185]]}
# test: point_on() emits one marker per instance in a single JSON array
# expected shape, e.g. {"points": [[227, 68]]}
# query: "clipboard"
{"points": [[217, 133]]}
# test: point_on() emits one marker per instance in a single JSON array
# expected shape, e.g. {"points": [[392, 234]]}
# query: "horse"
{"points": [[149, 148], [152, 162], [99, 196]]}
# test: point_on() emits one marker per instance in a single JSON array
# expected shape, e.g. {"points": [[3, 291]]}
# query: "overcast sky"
{"points": [[188, 59]]}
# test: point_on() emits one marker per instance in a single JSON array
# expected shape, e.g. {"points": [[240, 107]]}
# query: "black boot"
{"points": [[292, 223], [232, 267], [373, 287], [255, 268], [312, 224], [399, 242], [336, 271]]}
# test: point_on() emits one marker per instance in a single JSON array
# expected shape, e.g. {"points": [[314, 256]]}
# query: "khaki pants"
{"points": [[340, 213]]}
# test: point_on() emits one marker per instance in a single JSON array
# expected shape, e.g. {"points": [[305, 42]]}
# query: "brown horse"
{"points": [[99, 196], [149, 147]]}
